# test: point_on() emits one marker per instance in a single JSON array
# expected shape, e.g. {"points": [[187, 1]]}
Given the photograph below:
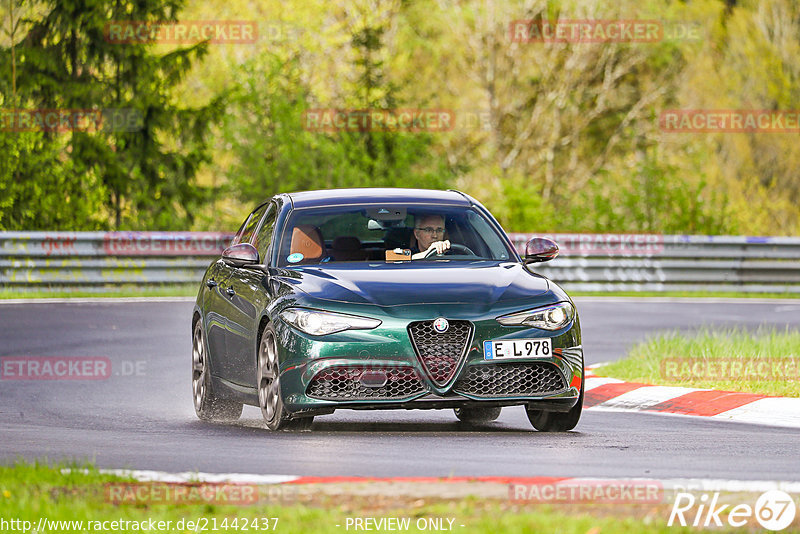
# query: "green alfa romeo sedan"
{"points": [[376, 299]]}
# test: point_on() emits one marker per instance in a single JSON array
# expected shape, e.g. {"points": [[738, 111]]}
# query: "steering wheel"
{"points": [[454, 247]]}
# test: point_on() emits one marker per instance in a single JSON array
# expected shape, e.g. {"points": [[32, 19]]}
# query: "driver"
{"points": [[429, 231]]}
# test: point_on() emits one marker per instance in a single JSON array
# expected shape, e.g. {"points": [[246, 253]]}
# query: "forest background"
{"points": [[550, 136]]}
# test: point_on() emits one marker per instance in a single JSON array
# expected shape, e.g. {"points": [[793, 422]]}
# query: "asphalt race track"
{"points": [[142, 417]]}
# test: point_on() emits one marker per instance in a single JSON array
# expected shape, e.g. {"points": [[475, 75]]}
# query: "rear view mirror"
{"points": [[386, 214], [540, 249], [240, 255]]}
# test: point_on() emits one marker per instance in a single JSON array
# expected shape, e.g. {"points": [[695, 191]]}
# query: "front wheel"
{"points": [[557, 421], [207, 405], [270, 399]]}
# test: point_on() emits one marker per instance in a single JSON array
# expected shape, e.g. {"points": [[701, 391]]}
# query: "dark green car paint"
{"points": [[238, 302]]}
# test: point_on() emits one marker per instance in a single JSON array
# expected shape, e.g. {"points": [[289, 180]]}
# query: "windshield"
{"points": [[389, 233]]}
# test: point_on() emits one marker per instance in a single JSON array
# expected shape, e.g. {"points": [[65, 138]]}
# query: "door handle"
{"points": [[211, 283], [230, 291]]}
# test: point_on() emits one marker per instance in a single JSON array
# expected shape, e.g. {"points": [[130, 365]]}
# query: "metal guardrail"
{"points": [[36, 261], [636, 262]]}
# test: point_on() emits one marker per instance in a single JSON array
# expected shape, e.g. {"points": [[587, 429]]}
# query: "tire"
{"points": [[478, 415], [207, 405], [270, 399], [557, 421]]}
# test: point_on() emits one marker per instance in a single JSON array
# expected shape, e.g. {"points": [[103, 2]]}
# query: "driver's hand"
{"points": [[439, 246]]}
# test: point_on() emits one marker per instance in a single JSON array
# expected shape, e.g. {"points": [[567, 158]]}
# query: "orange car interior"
{"points": [[307, 240]]}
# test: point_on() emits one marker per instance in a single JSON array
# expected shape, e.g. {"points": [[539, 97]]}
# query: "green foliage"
{"points": [[761, 361], [568, 138], [144, 170], [276, 153], [38, 189], [658, 198]]}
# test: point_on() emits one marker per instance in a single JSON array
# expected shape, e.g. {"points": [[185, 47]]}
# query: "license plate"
{"points": [[517, 348]]}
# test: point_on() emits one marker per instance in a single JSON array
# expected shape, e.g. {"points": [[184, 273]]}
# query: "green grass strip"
{"points": [[123, 291], [30, 491], [765, 361]]}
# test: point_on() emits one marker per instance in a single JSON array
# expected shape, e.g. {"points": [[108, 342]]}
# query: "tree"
{"points": [[38, 189], [146, 167], [274, 149]]}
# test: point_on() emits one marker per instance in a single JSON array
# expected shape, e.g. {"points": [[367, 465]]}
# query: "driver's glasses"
{"points": [[432, 230]]}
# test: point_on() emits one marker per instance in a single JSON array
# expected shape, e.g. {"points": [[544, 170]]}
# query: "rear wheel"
{"points": [[478, 415], [270, 399], [207, 405], [557, 421]]}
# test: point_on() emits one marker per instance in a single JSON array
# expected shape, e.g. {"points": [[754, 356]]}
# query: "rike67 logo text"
{"points": [[773, 510]]}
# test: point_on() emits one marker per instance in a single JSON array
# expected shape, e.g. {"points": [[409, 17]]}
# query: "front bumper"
{"points": [[322, 373]]}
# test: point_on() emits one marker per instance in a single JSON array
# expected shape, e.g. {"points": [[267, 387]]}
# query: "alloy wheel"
{"points": [[198, 367], [268, 377]]}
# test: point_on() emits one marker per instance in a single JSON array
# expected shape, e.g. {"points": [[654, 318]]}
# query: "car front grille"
{"points": [[343, 383], [511, 379], [440, 353]]}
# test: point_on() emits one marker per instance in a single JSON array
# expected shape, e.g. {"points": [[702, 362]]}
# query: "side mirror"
{"points": [[540, 249], [240, 255]]}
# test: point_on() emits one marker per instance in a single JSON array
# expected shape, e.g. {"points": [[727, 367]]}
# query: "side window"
{"points": [[263, 238], [237, 238], [486, 238], [247, 229]]}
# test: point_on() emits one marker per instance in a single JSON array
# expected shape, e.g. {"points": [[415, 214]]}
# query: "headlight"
{"points": [[319, 323], [551, 317]]}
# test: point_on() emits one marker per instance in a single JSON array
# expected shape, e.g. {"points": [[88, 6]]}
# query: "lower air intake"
{"points": [[344, 383], [511, 379]]}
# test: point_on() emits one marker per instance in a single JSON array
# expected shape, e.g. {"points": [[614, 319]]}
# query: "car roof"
{"points": [[373, 195]]}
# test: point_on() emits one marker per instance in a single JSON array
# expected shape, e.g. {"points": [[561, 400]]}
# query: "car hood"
{"points": [[483, 283]]}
